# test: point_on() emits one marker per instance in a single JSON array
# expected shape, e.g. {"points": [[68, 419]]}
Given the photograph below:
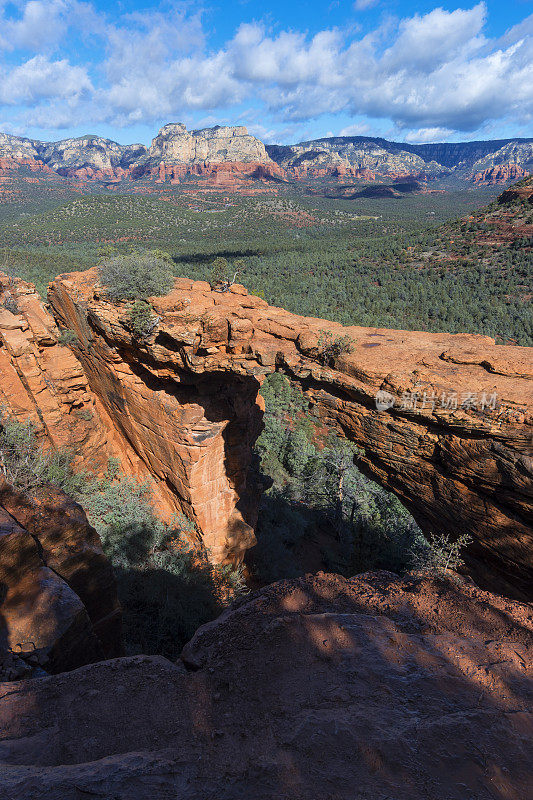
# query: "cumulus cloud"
{"points": [[425, 42], [42, 24], [39, 79], [430, 74]]}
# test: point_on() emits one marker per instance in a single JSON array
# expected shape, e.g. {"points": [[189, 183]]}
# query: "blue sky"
{"points": [[289, 71]]}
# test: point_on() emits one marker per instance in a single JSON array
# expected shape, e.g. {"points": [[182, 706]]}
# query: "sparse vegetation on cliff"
{"points": [[26, 465], [331, 347], [136, 276], [167, 589], [141, 319], [68, 338], [320, 502]]}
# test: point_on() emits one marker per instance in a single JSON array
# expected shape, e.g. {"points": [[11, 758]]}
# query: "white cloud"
{"points": [[430, 74], [43, 24], [362, 5], [423, 135], [427, 41], [40, 79], [358, 129]]}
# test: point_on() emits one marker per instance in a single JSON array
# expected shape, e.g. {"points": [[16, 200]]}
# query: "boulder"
{"points": [[58, 601], [373, 687]]}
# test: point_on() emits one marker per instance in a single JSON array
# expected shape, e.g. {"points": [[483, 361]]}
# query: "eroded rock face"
{"points": [[93, 158], [373, 687], [460, 457], [58, 599], [352, 156], [503, 173], [42, 380], [175, 144]]}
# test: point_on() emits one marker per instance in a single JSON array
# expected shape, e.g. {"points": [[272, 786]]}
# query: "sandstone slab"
{"points": [[375, 687]]}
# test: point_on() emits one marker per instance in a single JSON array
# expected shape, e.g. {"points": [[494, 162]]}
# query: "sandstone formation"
{"points": [[516, 154], [82, 157], [453, 438], [59, 606], [90, 157], [227, 175], [43, 381], [504, 173], [356, 153], [175, 144], [176, 153], [17, 147], [464, 160], [373, 687]]}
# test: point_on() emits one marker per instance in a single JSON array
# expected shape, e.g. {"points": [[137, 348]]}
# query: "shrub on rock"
{"points": [[136, 276]]}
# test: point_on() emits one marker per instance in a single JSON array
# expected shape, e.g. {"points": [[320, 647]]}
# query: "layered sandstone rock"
{"points": [[227, 174], [503, 173], [43, 381], [356, 156], [175, 144], [59, 606], [93, 158], [90, 156], [18, 147], [453, 439], [373, 687], [227, 157], [515, 154], [84, 157]]}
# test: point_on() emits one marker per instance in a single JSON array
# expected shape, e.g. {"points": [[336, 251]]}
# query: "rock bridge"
{"points": [[452, 437]]}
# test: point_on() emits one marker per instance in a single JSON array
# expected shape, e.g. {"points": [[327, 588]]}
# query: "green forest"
{"points": [[373, 262]]}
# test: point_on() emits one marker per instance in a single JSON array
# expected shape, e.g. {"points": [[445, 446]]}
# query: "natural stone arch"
{"points": [[184, 403]]}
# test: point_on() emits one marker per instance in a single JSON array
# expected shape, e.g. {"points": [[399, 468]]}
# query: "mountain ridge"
{"points": [[203, 151]]}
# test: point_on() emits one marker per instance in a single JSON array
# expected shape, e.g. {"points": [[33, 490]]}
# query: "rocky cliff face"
{"points": [[43, 382], [519, 154], [92, 157], [176, 152], [176, 145], [384, 158], [82, 157], [318, 688], [58, 604], [16, 147], [504, 173], [452, 437], [374, 155]]}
